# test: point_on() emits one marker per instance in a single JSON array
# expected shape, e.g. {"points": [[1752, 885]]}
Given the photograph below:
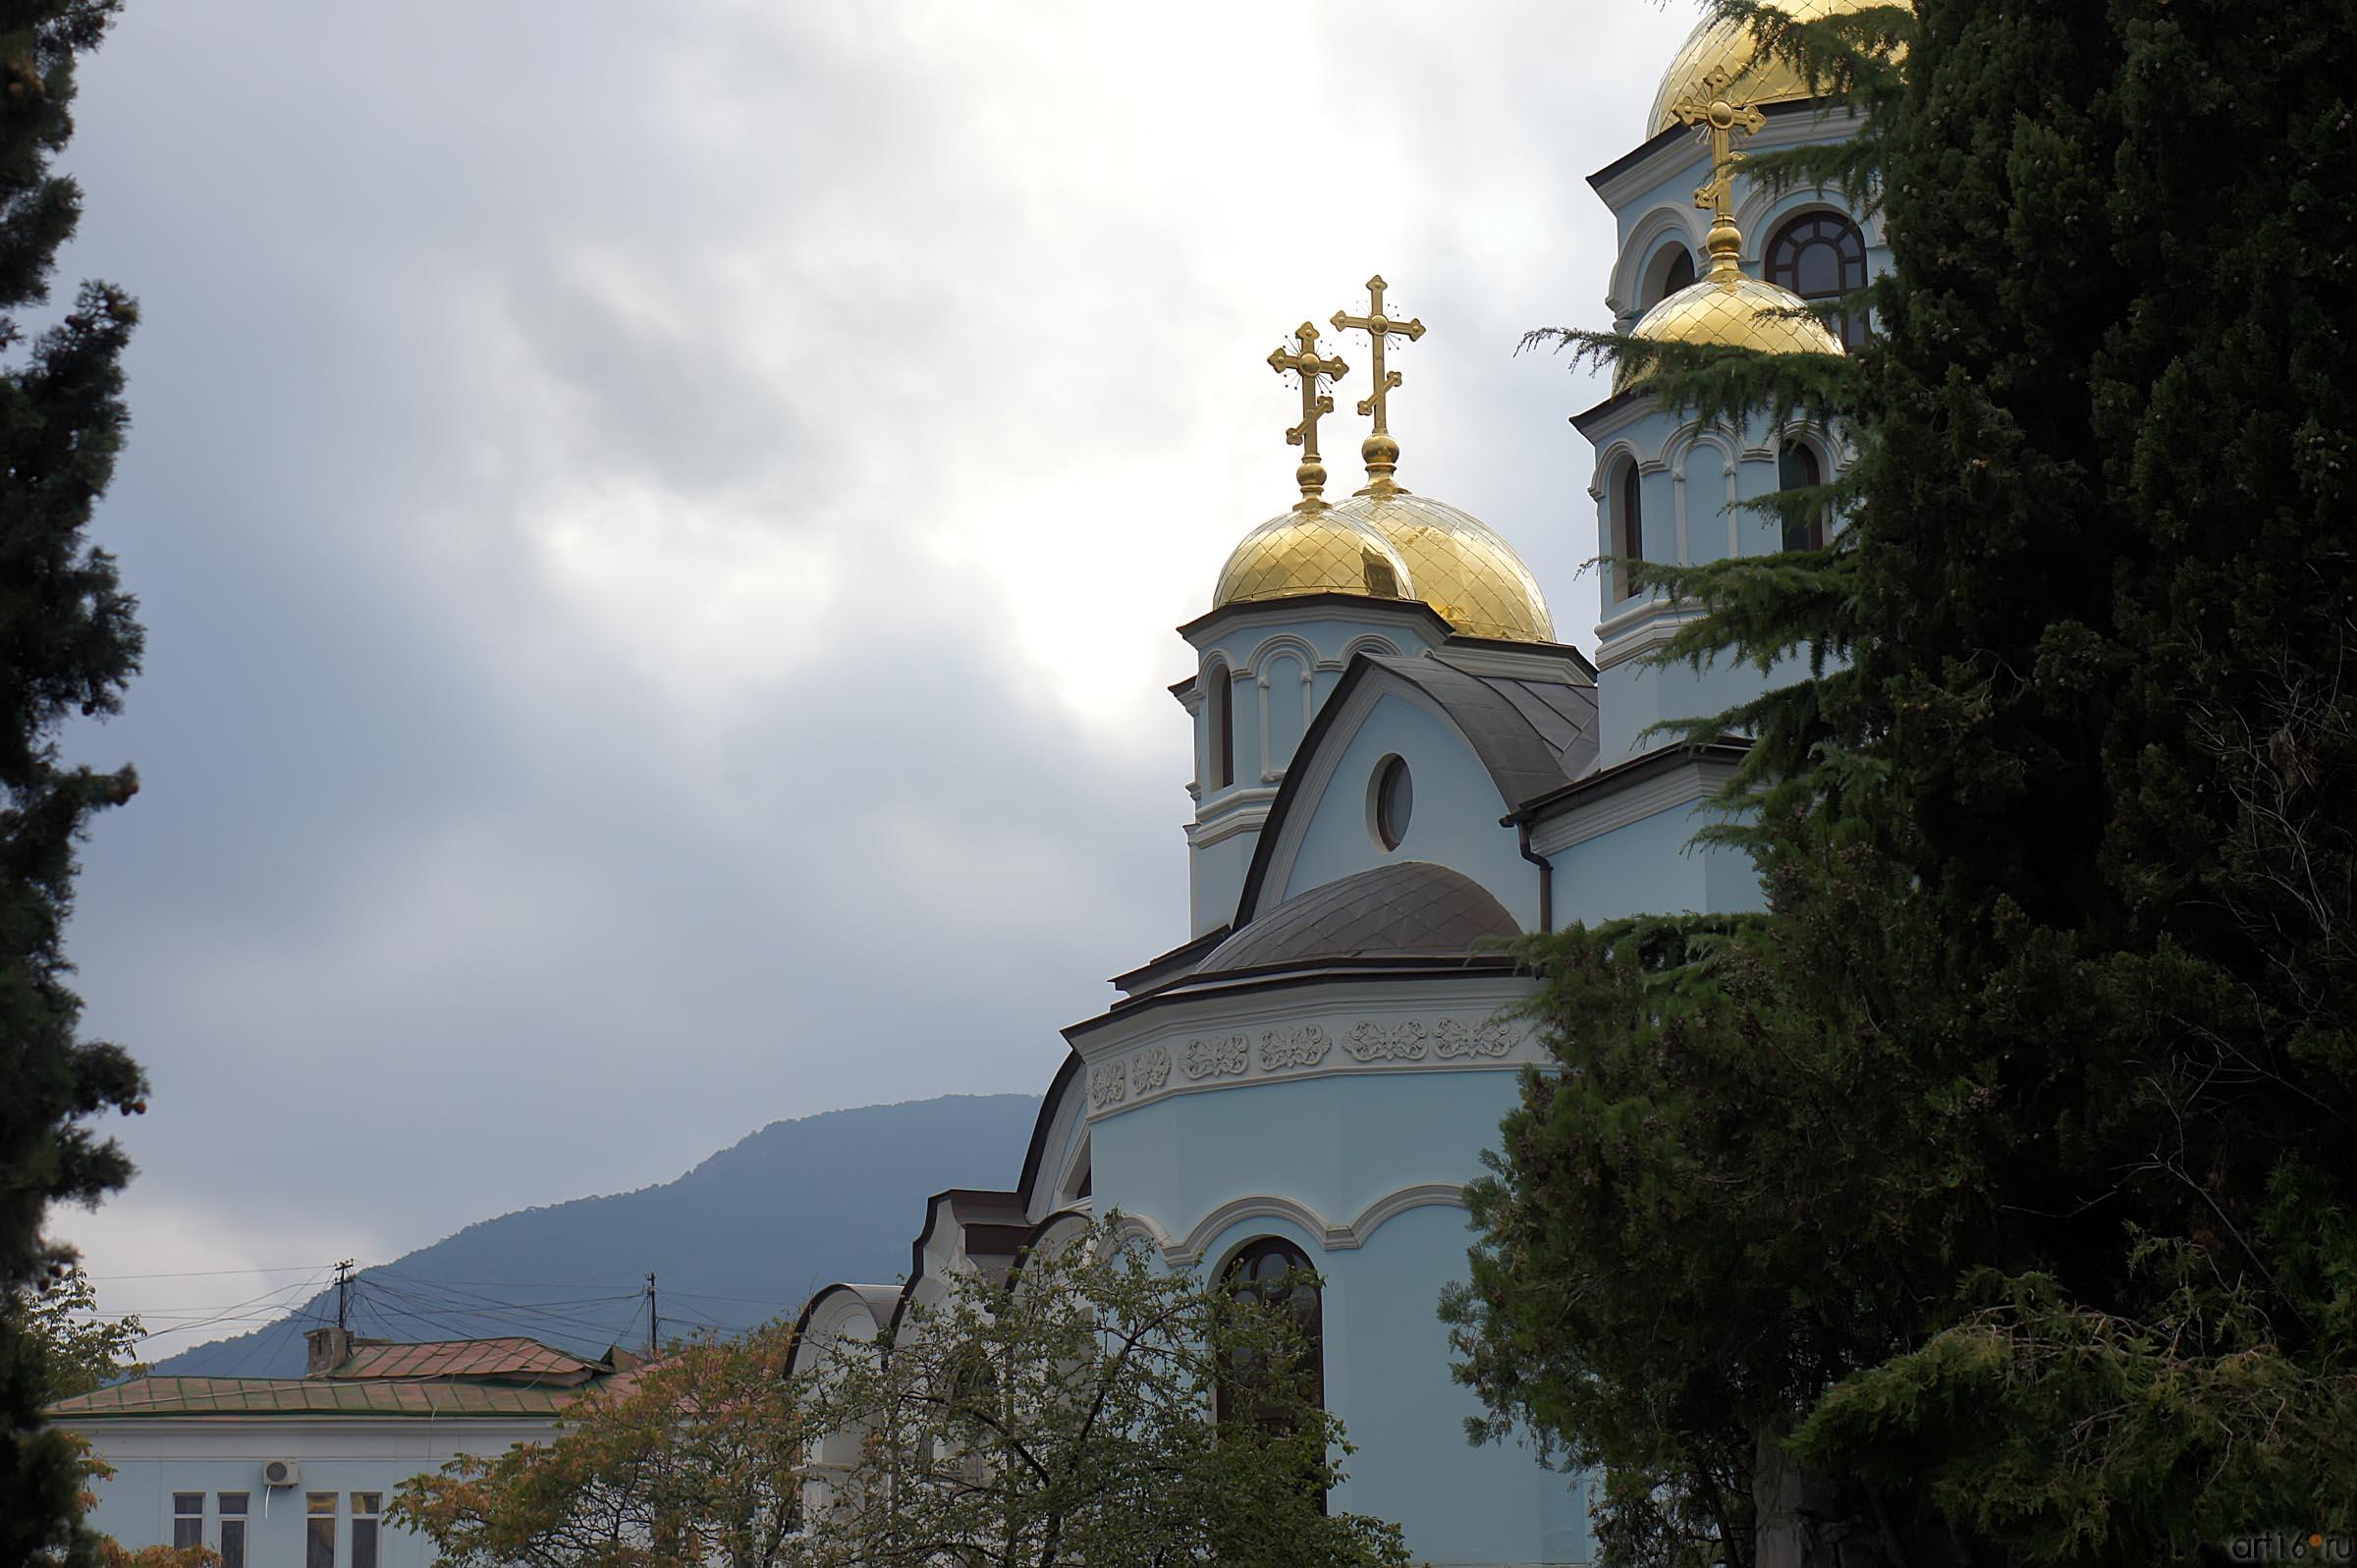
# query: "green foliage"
{"points": [[695, 1459], [1067, 1417], [86, 1351], [1990, 1197], [68, 644], [1060, 1418]]}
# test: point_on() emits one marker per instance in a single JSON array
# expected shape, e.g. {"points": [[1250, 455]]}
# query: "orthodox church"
{"points": [[1397, 764]]}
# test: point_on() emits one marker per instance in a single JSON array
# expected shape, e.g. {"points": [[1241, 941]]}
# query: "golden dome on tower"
{"points": [[1733, 309], [1457, 564], [1383, 543], [1729, 46], [1312, 551]]}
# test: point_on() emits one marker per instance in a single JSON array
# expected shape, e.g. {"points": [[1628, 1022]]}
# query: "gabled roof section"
{"points": [[502, 1376], [514, 1358], [1534, 736]]}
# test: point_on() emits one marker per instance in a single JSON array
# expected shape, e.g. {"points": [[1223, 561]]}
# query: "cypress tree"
{"points": [[1992, 1197], [69, 643]]}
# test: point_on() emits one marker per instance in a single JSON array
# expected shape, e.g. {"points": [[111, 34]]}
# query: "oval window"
{"points": [[1395, 801]]}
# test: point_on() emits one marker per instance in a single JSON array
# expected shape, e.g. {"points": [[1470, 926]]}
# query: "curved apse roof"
{"points": [[1411, 908]]}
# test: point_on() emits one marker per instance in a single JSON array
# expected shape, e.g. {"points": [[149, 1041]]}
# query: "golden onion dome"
{"points": [[1458, 564], [1732, 308], [1313, 549], [1724, 45]]}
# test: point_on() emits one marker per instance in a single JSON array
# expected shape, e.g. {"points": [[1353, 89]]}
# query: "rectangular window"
{"points": [[365, 1506], [187, 1519], [233, 1529], [319, 1530]]}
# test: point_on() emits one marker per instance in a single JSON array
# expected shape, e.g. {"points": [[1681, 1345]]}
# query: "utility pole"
{"points": [[343, 1294], [654, 1323]]}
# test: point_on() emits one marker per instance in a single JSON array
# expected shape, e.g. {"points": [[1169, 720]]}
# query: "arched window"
{"points": [[1820, 256], [1666, 270], [1797, 469], [1274, 1274], [1627, 501], [1222, 727], [1679, 276]]}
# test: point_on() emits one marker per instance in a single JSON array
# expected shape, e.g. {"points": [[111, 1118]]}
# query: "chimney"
{"points": [[330, 1349]]}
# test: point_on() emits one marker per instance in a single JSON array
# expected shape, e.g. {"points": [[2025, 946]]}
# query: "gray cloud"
{"points": [[660, 527]]}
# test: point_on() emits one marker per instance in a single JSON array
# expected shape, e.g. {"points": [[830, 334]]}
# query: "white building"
{"points": [[294, 1472], [1395, 766]]}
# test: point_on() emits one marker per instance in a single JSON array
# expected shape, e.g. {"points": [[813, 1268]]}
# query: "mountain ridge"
{"points": [[745, 1235]]}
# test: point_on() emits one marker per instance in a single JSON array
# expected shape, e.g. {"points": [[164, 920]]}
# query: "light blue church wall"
{"points": [[1652, 215], [1455, 823], [1387, 1364], [1338, 1144], [1278, 662], [1632, 699], [1652, 866]]}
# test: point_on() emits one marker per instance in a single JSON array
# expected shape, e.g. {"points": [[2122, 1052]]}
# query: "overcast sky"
{"points": [[659, 528]]}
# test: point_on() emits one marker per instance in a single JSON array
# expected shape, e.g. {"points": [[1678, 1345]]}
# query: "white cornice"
{"points": [[1187, 1251], [1312, 1030], [1213, 628], [1793, 129], [1465, 992], [1237, 811], [1512, 664], [1641, 628], [1680, 784]]}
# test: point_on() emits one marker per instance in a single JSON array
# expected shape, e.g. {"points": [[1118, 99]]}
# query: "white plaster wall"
{"points": [[154, 1458]]}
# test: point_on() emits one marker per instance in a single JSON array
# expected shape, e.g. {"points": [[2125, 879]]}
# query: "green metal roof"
{"points": [[313, 1396]]}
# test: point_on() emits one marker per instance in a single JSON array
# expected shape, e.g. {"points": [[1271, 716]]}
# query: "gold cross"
{"points": [[1381, 328], [1721, 119], [1380, 451], [1306, 362]]}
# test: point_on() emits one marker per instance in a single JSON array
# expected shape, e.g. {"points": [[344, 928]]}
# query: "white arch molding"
{"points": [[1186, 1251], [1637, 256]]}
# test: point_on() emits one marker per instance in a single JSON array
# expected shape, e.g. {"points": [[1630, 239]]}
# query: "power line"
{"points": [[212, 1273]]}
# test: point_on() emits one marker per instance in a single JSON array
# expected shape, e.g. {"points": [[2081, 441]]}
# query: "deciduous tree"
{"points": [[1068, 1416], [693, 1460]]}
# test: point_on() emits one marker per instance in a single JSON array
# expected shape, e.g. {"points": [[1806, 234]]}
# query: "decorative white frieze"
{"points": [[1452, 1041], [1386, 1042], [1214, 1058], [1281, 1049], [1107, 1085], [1126, 1080]]}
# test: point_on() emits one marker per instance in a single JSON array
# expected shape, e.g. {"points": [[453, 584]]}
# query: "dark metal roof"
{"points": [[1533, 735], [1341, 603], [507, 1376], [312, 1396], [1171, 965], [1410, 908]]}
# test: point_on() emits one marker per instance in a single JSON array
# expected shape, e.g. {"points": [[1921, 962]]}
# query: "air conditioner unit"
{"points": [[281, 1472]]}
